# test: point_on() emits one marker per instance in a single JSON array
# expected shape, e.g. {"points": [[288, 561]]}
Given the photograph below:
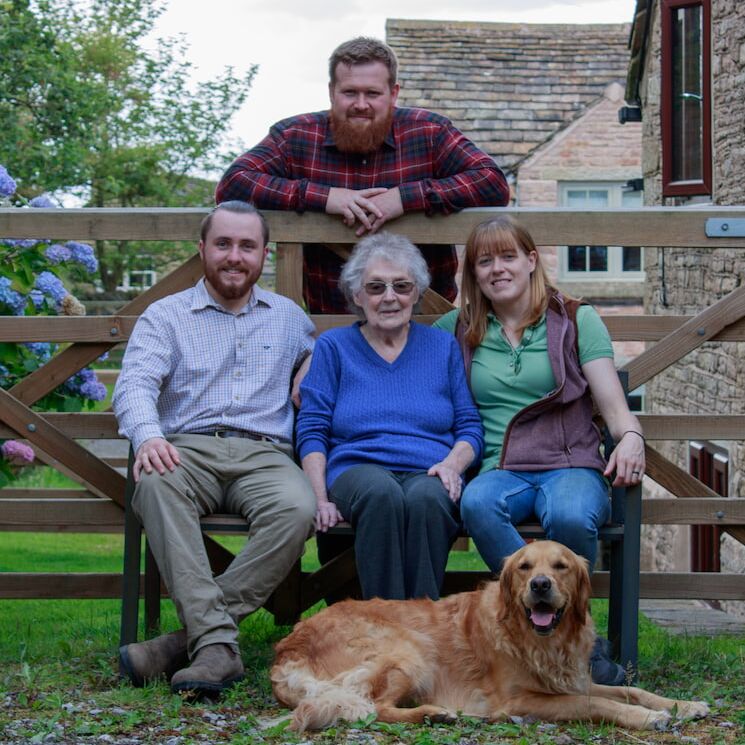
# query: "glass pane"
{"points": [[597, 198], [687, 115], [631, 199], [632, 259], [598, 258], [576, 197], [576, 258]]}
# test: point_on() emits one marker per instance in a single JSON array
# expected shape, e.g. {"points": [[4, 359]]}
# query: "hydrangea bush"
{"points": [[33, 273]]}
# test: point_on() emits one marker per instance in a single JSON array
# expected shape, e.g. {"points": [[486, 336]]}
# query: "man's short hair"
{"points": [[360, 51], [234, 205]]}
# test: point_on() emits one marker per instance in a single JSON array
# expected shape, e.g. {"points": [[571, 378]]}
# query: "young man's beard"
{"points": [[352, 138], [230, 290]]}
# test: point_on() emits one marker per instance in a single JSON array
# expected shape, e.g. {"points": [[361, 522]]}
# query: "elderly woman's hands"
{"points": [[327, 515], [449, 469], [450, 478]]}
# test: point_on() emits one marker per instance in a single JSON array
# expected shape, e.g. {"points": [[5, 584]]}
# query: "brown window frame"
{"points": [[710, 465], [696, 187]]}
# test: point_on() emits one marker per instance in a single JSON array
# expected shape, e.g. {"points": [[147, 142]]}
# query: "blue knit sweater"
{"points": [[405, 415]]}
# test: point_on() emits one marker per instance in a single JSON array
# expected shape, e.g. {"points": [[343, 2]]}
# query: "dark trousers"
{"points": [[404, 525]]}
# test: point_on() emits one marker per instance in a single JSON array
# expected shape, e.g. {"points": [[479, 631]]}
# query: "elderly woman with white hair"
{"points": [[387, 425]]}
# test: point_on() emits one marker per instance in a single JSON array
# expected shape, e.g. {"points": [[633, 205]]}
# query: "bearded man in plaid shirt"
{"points": [[368, 161]]}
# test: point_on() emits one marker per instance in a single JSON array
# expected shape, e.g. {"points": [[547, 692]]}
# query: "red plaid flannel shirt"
{"points": [[435, 167]]}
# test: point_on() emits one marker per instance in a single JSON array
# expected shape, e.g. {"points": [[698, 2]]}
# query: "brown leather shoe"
{"points": [[142, 662], [215, 668]]}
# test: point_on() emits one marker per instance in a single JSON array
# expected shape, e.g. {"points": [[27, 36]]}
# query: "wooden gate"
{"points": [[97, 505]]}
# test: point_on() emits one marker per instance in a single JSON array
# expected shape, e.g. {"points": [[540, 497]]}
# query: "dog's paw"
{"points": [[691, 709], [658, 720], [443, 716]]}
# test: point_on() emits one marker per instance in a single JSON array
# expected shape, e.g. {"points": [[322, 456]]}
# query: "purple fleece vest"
{"points": [[556, 431]]}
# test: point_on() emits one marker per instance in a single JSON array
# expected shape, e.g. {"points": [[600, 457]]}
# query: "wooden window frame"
{"points": [[672, 188], [710, 465]]}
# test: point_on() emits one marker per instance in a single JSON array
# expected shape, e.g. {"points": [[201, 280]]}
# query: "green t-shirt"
{"points": [[506, 380]]}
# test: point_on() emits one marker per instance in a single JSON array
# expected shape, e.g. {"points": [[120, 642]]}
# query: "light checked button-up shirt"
{"points": [[192, 366]]}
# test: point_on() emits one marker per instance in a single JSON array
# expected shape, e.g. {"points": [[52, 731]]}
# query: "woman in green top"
{"points": [[537, 360]]}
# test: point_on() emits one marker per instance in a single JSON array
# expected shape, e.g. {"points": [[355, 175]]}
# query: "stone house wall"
{"points": [[687, 281]]}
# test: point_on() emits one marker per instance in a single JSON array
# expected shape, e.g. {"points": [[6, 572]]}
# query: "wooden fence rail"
{"points": [[96, 505]]}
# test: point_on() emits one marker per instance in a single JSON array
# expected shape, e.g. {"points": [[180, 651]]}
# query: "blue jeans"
{"points": [[570, 504]]}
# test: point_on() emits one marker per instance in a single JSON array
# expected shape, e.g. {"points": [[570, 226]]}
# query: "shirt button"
{"points": [[364, 161]]}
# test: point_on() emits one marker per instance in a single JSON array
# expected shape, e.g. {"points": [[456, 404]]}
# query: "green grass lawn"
{"points": [[58, 674]]}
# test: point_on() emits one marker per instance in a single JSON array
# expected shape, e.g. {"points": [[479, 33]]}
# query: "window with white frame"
{"points": [[141, 274], [600, 262]]}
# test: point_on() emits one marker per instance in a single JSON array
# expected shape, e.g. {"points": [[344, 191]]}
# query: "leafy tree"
{"points": [[85, 107]]}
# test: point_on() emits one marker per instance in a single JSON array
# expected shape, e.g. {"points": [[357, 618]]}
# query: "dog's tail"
{"points": [[320, 703]]}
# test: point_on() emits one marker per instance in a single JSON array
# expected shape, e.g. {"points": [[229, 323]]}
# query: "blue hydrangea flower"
{"points": [[83, 254], [40, 349], [14, 300], [57, 254], [4, 372], [37, 298], [51, 285], [93, 390], [7, 184], [42, 202]]}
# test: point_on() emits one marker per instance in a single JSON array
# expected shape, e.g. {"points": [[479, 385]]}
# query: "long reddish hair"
{"points": [[492, 237]]}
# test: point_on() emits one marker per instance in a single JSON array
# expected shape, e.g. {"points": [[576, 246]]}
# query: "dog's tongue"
{"points": [[540, 618]]}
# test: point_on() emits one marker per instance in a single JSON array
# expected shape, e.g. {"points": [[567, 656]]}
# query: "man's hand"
{"points": [[388, 206], [155, 453], [354, 205]]}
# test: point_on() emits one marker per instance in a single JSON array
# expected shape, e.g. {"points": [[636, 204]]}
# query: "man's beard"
{"points": [[229, 290], [350, 137]]}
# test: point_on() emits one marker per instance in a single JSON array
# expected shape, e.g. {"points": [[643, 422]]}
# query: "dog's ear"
{"points": [[581, 605], [506, 604]]}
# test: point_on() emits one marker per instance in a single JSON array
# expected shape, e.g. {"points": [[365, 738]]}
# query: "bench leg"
{"points": [[130, 576], [152, 593], [285, 602], [623, 606]]}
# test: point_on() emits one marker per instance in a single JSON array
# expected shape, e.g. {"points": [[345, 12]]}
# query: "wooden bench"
{"points": [[301, 590]]}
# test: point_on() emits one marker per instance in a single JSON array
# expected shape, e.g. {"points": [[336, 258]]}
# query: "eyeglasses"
{"points": [[400, 287]]}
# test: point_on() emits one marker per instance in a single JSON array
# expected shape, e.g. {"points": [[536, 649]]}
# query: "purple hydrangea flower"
{"points": [[14, 300], [94, 390], [27, 243], [51, 285], [83, 254], [42, 202], [7, 184], [57, 254], [17, 453]]}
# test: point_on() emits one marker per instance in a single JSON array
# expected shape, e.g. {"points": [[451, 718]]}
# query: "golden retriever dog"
{"points": [[517, 647]]}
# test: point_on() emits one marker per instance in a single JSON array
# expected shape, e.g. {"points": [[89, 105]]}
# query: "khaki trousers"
{"points": [[257, 480]]}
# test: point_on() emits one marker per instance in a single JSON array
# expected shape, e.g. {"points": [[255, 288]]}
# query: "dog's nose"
{"points": [[540, 585]]}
